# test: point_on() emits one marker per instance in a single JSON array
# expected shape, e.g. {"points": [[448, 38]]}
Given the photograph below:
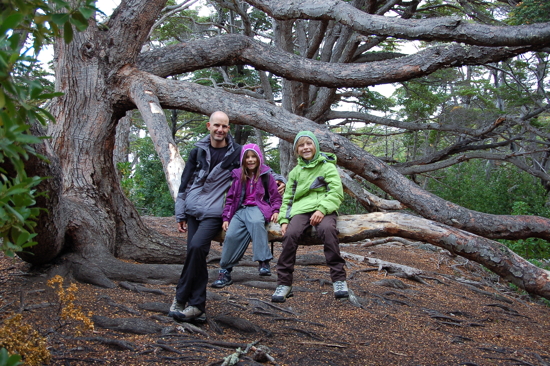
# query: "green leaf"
{"points": [[15, 213], [11, 22], [17, 190], [22, 238], [86, 12], [8, 360], [79, 22], [60, 19], [35, 89], [67, 32]]}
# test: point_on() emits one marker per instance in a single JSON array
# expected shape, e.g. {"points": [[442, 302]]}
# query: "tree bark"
{"points": [[436, 29], [88, 215]]}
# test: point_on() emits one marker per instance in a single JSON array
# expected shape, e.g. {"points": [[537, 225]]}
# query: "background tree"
{"points": [[323, 52]]}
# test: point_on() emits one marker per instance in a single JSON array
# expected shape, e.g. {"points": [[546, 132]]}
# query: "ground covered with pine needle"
{"points": [[452, 312]]}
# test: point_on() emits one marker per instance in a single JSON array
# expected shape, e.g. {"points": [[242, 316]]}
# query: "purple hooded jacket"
{"points": [[234, 195]]}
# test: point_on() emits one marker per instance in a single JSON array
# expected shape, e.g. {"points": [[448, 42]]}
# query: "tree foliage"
{"points": [[530, 11]]}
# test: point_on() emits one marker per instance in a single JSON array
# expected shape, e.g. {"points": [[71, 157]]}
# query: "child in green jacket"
{"points": [[313, 194]]}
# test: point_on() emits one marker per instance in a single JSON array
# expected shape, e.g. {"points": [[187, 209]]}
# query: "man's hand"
{"points": [[316, 218], [283, 229], [281, 187], [225, 225], [274, 217], [182, 226]]}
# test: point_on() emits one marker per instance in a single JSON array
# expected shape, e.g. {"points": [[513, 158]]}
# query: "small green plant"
{"points": [[7, 360]]}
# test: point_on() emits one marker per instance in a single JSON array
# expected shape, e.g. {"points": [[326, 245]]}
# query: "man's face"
{"points": [[219, 128]]}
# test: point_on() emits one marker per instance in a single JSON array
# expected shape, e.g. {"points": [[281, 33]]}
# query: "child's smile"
{"points": [[251, 160], [306, 150]]}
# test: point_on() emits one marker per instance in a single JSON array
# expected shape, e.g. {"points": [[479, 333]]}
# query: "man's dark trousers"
{"points": [[191, 288]]}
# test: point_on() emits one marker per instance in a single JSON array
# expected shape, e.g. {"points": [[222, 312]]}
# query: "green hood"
{"points": [[312, 137]]}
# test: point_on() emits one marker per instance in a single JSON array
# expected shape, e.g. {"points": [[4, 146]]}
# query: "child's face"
{"points": [[251, 160], [306, 149]]}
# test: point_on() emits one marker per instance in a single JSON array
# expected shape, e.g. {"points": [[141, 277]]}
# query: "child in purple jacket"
{"points": [[251, 202]]}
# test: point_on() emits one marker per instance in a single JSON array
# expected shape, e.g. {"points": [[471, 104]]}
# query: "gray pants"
{"points": [[247, 224]]}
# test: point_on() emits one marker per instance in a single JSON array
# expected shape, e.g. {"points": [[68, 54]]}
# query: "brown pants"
{"points": [[326, 231]]}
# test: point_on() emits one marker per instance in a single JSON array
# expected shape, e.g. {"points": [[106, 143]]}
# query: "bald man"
{"points": [[199, 206]]}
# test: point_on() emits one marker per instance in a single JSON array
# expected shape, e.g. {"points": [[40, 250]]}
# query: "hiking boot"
{"points": [[190, 313], [281, 293], [264, 269], [224, 279], [340, 289], [176, 308]]}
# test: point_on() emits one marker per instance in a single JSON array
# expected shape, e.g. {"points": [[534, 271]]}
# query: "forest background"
{"points": [[482, 182]]}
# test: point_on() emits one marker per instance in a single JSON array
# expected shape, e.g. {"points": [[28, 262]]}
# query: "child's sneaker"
{"points": [[264, 269], [224, 279], [281, 293], [340, 289]]}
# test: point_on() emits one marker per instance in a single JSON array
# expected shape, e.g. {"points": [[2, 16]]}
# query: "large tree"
{"points": [[321, 49]]}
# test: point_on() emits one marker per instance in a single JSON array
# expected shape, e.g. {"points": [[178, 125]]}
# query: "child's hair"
{"points": [[255, 173], [302, 140]]}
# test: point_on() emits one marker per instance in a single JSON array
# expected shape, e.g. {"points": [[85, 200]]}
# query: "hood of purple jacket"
{"points": [[252, 147]]}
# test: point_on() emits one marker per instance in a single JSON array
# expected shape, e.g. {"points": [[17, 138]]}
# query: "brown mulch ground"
{"points": [[456, 314]]}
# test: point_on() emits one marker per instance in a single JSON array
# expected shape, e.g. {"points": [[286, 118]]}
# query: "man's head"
{"points": [[218, 125]]}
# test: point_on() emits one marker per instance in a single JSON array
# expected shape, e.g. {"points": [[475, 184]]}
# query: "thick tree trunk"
{"points": [[88, 215]]}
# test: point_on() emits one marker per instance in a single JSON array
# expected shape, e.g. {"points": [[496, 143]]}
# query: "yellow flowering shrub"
{"points": [[20, 338], [69, 310]]}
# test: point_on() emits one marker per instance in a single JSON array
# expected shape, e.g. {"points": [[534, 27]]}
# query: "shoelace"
{"points": [[279, 291], [340, 286]]}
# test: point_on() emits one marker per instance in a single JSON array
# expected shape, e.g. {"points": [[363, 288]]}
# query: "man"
{"points": [[199, 207]]}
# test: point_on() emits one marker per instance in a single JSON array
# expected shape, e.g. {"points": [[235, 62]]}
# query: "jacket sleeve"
{"points": [[275, 198], [335, 191], [230, 198], [278, 177], [186, 176], [287, 199]]}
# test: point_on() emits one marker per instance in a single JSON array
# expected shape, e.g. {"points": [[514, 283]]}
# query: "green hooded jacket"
{"points": [[312, 185]]}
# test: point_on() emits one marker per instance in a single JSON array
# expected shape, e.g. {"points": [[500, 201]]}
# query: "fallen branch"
{"points": [[323, 344]]}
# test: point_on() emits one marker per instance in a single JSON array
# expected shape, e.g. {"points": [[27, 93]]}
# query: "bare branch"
{"points": [[433, 29], [238, 50]]}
